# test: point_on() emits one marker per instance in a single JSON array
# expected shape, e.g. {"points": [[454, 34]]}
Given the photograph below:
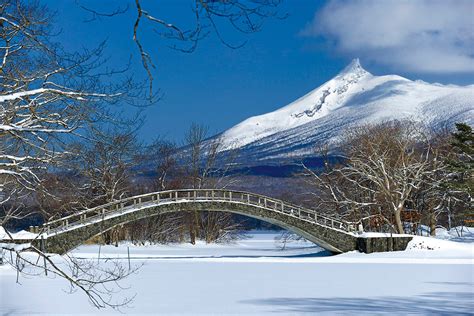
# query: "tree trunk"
{"points": [[182, 231], [432, 224], [192, 231], [196, 224], [398, 221], [449, 213]]}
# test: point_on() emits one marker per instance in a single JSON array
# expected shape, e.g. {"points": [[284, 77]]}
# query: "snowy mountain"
{"points": [[354, 97]]}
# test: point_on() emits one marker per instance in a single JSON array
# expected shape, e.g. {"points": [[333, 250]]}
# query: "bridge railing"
{"points": [[189, 195]]}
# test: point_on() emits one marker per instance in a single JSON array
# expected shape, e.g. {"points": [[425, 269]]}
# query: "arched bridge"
{"points": [[64, 234]]}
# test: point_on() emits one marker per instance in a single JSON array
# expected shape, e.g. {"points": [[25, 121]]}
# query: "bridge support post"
{"points": [[42, 245]]}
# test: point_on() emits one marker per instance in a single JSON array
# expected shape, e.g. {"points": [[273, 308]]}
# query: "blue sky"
{"points": [[219, 87]]}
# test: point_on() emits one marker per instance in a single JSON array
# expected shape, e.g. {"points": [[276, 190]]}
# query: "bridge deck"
{"points": [[333, 234], [201, 195]]}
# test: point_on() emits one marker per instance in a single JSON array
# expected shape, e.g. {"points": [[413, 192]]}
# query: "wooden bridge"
{"points": [[64, 234]]}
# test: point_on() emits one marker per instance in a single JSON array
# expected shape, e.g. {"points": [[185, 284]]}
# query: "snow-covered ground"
{"points": [[255, 276], [22, 234]]}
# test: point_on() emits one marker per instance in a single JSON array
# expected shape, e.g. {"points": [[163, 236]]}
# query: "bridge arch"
{"points": [[65, 234]]}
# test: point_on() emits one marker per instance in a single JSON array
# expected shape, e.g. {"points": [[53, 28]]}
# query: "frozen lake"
{"points": [[255, 276]]}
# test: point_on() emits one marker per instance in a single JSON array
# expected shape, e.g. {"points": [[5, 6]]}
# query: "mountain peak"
{"points": [[354, 68], [352, 98]]}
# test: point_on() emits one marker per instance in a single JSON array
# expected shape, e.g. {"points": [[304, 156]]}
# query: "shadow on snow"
{"points": [[434, 303]]}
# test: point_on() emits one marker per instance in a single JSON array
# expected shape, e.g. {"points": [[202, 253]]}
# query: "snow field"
{"points": [[254, 276]]}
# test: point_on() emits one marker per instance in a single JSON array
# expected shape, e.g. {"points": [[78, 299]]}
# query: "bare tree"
{"points": [[207, 166], [98, 281], [286, 237], [105, 165], [161, 155], [47, 98], [199, 165], [206, 17], [385, 166]]}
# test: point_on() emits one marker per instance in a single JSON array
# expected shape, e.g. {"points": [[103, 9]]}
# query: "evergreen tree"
{"points": [[460, 180], [462, 165]]}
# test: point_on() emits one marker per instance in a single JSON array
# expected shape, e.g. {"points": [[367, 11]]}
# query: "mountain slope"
{"points": [[353, 97]]}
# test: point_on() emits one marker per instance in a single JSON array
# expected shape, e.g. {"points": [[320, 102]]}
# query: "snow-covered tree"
{"points": [[47, 98], [384, 166]]}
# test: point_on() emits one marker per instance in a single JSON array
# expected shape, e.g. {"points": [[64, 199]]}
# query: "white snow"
{"points": [[255, 277], [353, 97], [459, 233], [22, 234], [374, 234], [444, 248]]}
